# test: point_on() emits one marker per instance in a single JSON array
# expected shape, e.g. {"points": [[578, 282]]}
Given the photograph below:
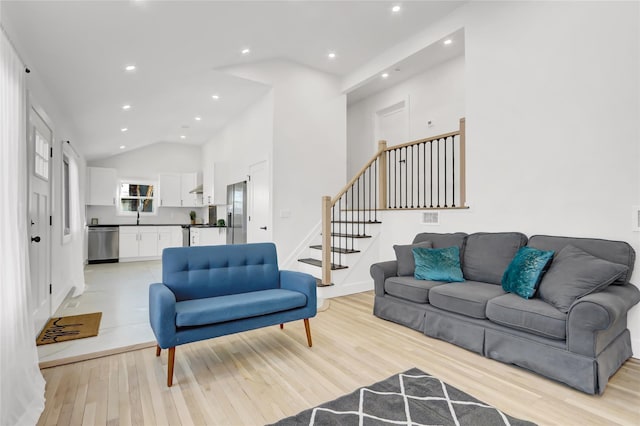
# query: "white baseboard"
{"points": [[344, 289]]}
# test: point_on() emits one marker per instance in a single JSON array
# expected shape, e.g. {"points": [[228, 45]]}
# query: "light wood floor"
{"points": [[261, 376]]}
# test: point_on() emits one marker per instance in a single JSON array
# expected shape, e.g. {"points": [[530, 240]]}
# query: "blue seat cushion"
{"points": [[213, 310]]}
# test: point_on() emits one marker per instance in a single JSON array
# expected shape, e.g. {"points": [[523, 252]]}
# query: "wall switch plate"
{"points": [[635, 223]]}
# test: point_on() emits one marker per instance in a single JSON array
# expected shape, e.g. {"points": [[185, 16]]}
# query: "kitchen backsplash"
{"points": [[107, 215]]}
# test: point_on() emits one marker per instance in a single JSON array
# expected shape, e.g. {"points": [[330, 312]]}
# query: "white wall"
{"points": [[246, 140], [553, 140], [147, 163], [308, 156], [437, 95]]}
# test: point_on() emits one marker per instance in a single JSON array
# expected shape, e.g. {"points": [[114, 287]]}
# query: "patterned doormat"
{"points": [[61, 329], [410, 398]]}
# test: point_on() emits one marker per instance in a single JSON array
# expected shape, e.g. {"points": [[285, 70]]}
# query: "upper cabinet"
{"points": [[189, 182], [214, 179], [102, 186], [175, 190], [170, 190]]}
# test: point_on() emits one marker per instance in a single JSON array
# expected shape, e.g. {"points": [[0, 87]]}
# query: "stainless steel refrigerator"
{"points": [[237, 213]]}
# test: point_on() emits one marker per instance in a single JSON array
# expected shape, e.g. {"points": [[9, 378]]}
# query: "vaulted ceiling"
{"points": [[79, 49]]}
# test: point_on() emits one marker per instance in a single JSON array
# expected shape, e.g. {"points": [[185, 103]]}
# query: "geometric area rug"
{"points": [[60, 329], [410, 398]]}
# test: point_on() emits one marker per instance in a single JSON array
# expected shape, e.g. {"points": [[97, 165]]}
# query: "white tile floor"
{"points": [[121, 292]]}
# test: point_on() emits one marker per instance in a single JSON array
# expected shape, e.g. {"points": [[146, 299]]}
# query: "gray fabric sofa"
{"points": [[582, 348]]}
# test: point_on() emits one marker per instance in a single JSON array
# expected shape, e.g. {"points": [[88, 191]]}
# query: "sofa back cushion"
{"points": [[487, 255], [613, 251], [442, 240], [209, 271]]}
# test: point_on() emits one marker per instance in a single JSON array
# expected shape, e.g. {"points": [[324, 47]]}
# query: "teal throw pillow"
{"points": [[525, 271], [441, 264]]}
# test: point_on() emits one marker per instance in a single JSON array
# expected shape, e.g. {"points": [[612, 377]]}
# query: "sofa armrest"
{"points": [[162, 314], [304, 283], [597, 313], [380, 272]]}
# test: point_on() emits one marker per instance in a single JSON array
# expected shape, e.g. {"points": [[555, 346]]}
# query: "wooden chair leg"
{"points": [[172, 357], [308, 330], [158, 350], [281, 326]]}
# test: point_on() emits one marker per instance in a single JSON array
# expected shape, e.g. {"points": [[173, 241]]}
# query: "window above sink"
{"points": [[136, 196]]}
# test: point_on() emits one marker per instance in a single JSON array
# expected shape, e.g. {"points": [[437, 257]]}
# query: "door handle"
{"points": [[35, 239], [264, 228]]}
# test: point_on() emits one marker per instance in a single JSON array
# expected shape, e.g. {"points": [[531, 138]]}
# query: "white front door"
{"points": [[259, 225], [39, 139]]}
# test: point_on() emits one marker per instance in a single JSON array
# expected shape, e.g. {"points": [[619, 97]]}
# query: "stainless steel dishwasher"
{"points": [[103, 244]]}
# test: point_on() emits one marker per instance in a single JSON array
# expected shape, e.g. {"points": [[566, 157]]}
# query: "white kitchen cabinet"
{"points": [[174, 190], [128, 242], [214, 183], [189, 181], [147, 241], [169, 236], [208, 236], [170, 190], [102, 186], [138, 242]]}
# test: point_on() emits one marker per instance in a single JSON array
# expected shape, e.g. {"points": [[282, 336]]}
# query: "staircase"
{"points": [[345, 241], [420, 175]]}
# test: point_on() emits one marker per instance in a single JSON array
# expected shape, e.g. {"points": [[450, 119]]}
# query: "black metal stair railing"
{"points": [[428, 173]]}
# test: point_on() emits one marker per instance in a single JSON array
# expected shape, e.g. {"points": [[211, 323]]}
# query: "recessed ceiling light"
{"points": [[124, 129], [126, 107], [197, 118], [384, 75], [130, 68], [396, 8], [448, 41], [183, 137], [122, 146], [216, 97], [246, 51], [332, 55]]}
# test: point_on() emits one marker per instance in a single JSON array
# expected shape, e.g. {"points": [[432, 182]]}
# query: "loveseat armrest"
{"points": [[597, 313], [304, 283], [380, 272], [162, 314]]}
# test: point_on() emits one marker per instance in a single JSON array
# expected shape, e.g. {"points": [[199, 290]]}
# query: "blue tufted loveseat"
{"points": [[211, 291]]}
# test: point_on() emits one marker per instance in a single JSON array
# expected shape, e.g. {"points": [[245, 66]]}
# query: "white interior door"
{"points": [[40, 140], [259, 223], [392, 124]]}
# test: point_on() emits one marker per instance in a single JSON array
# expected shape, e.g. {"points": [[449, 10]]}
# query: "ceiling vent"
{"points": [[431, 218]]}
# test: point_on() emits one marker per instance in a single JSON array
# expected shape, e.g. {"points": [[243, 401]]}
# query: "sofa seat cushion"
{"points": [[533, 316], [468, 298], [409, 288], [213, 310]]}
